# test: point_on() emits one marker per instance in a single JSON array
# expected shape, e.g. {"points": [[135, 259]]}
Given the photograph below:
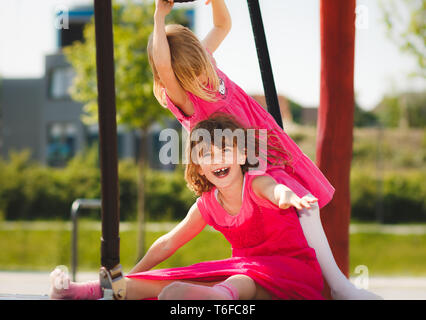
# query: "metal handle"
{"points": [[75, 208]]}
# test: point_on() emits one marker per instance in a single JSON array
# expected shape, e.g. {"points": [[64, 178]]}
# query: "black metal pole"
{"points": [[110, 241], [264, 61]]}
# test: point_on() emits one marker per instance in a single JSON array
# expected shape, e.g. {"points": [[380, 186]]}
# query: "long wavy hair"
{"points": [[199, 183], [190, 60]]}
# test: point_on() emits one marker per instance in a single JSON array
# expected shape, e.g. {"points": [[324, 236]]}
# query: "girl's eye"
{"points": [[228, 150]]}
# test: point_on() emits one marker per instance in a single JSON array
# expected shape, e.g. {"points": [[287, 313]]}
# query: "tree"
{"points": [[136, 105], [389, 112], [296, 111], [406, 25], [416, 109], [404, 109], [363, 118]]}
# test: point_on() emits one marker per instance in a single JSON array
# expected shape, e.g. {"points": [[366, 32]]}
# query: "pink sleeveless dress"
{"points": [[233, 100], [268, 245]]}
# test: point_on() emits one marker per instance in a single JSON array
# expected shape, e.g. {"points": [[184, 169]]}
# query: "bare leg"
{"points": [[63, 288], [136, 289], [341, 287], [239, 286]]}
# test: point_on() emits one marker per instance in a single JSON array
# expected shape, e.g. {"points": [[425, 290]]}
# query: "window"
{"points": [[61, 143], [92, 137], [73, 33], [60, 82]]}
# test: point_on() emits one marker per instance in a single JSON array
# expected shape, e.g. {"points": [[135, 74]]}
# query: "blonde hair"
{"points": [[189, 61], [199, 183]]}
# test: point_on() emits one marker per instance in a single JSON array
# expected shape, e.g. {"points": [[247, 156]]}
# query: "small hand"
{"points": [[306, 201], [164, 7], [289, 198]]}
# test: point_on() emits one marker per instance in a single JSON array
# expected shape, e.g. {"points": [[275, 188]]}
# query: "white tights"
{"points": [[341, 288]]}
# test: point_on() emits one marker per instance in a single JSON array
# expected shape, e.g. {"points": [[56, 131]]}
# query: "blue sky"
{"points": [[27, 33]]}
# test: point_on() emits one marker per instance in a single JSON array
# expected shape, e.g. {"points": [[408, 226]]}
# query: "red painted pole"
{"points": [[335, 120]]}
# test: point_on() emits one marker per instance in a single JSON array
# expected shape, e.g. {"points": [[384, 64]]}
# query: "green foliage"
{"points": [[166, 195], [406, 25], [403, 196], [296, 111], [364, 118], [389, 112], [410, 107], [135, 102], [416, 109], [390, 149], [30, 191], [365, 151], [23, 180], [363, 196]]}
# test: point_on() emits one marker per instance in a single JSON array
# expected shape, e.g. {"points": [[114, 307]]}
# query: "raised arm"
{"points": [[280, 195], [222, 24], [167, 244], [162, 59]]}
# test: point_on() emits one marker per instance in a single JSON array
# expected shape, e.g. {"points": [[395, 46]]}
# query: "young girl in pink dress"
{"points": [[188, 82], [270, 256]]}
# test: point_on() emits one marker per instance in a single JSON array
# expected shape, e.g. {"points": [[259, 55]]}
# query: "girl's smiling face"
{"points": [[221, 166]]}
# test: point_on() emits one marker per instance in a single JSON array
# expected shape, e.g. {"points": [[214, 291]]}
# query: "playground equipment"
{"points": [[75, 209], [335, 120], [264, 61], [111, 277], [335, 123]]}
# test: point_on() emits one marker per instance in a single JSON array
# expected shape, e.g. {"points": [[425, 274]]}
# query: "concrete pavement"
{"points": [[37, 283]]}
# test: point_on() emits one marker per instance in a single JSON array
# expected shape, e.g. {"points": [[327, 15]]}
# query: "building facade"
{"points": [[39, 115]]}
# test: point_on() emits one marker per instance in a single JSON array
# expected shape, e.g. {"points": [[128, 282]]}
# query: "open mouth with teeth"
{"points": [[221, 173]]}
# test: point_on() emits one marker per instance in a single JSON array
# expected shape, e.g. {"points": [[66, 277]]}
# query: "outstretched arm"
{"points": [[167, 244], [222, 24], [163, 61], [279, 194]]}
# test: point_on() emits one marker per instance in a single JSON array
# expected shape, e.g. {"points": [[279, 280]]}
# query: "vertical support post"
{"points": [[264, 61], [335, 120], [110, 241], [75, 209]]}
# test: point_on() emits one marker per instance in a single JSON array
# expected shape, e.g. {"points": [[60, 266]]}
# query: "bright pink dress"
{"points": [[233, 100], [268, 245]]}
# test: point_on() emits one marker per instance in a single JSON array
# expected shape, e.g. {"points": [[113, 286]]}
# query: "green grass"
{"points": [[389, 254], [33, 249], [26, 249]]}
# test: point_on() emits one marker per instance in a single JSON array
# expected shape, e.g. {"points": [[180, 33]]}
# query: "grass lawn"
{"points": [[389, 254], [45, 247]]}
